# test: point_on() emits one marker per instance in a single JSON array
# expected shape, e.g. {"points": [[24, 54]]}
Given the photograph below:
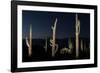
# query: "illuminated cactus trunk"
{"points": [[77, 36], [29, 42], [52, 41]]}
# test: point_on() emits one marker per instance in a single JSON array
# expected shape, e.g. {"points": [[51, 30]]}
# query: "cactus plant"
{"points": [[29, 42], [46, 45], [81, 45], [85, 46], [64, 50], [77, 35], [53, 41], [70, 45]]}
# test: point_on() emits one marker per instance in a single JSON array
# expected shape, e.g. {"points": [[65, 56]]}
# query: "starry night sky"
{"points": [[42, 21]]}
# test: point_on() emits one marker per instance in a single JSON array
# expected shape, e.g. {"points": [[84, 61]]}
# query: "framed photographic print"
{"points": [[50, 36]]}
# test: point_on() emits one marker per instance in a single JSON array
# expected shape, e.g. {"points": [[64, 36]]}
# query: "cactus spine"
{"points": [[77, 35], [29, 42], [53, 41]]}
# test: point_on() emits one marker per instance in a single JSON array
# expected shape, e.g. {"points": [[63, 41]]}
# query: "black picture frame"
{"points": [[14, 53]]}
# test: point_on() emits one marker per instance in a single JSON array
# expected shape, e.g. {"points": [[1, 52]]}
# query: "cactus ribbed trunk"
{"points": [[77, 36], [54, 35], [30, 50], [52, 41], [29, 42]]}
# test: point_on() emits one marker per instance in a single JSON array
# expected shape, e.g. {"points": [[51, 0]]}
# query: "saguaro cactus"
{"points": [[29, 42], [46, 44], [85, 46], [70, 45], [53, 41], [77, 35], [81, 45]]}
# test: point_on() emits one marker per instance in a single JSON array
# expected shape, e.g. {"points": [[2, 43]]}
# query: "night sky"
{"points": [[42, 21]]}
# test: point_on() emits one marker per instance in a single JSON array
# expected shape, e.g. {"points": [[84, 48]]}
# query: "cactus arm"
{"points": [[51, 41], [56, 49], [55, 23], [52, 27], [27, 43], [78, 26], [50, 44]]}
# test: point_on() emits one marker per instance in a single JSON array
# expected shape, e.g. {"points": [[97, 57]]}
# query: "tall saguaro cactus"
{"points": [[53, 40], [77, 35], [29, 42]]}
